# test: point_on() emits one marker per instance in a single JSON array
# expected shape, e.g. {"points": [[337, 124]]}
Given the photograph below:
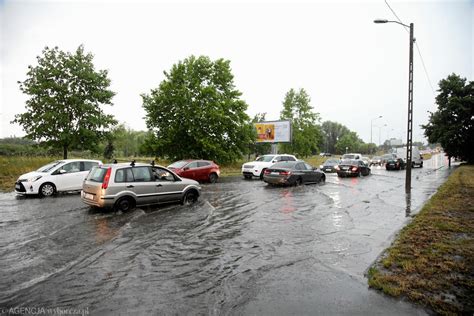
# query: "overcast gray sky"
{"points": [[354, 70]]}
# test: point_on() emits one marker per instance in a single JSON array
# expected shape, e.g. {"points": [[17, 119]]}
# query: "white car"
{"points": [[57, 176], [257, 167]]}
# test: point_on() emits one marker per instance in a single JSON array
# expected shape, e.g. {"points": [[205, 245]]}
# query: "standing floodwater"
{"points": [[244, 248]]}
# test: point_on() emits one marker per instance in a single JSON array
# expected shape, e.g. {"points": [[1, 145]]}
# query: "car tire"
{"points": [[298, 182], [323, 178], [124, 204], [190, 197], [213, 178], [47, 189], [261, 174], [421, 164]]}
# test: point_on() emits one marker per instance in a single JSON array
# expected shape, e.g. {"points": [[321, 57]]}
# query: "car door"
{"points": [[302, 172], [144, 185], [313, 175], [168, 187], [203, 170], [189, 171], [68, 176], [364, 169]]}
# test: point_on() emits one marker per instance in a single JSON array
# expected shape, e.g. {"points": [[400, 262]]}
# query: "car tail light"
{"points": [[267, 171], [354, 169], [105, 184], [285, 173]]}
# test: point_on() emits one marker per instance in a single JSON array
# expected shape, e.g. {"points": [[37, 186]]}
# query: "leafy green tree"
{"points": [[196, 112], [306, 137], [452, 125], [332, 132], [350, 141], [65, 94]]}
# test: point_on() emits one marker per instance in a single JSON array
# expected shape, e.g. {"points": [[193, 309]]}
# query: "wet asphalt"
{"points": [[244, 249]]}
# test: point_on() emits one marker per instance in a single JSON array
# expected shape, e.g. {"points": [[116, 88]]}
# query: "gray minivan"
{"points": [[126, 185]]}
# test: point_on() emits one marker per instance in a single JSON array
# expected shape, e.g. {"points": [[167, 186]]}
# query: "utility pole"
{"points": [[410, 114]]}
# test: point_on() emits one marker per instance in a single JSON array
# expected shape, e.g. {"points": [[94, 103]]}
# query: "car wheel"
{"points": [[298, 182], [47, 189], [323, 178], [261, 174], [124, 204], [190, 197], [213, 178]]}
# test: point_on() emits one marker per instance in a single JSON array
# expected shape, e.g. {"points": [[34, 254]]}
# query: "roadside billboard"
{"points": [[273, 132]]}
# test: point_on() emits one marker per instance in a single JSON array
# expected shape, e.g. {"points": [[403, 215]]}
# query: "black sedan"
{"points": [[354, 168], [395, 163], [292, 173], [330, 165]]}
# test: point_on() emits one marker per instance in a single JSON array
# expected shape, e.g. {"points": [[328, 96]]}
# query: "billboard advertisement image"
{"points": [[273, 132]]}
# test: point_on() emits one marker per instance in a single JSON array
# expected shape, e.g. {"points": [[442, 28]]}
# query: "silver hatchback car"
{"points": [[126, 185]]}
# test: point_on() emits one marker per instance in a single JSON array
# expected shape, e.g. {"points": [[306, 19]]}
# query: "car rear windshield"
{"points": [[348, 156], [284, 164], [349, 162], [97, 174]]}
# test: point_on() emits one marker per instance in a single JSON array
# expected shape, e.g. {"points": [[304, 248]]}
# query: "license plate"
{"points": [[328, 169], [17, 186], [88, 196]]}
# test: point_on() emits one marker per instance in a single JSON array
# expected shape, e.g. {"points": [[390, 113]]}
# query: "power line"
{"points": [[417, 48], [388, 5]]}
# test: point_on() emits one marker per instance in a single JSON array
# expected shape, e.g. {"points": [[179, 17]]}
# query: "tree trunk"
{"points": [[449, 161], [64, 151]]}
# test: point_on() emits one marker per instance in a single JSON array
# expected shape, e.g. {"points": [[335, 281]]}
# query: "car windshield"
{"points": [[265, 158], [97, 174], [50, 166], [331, 162], [376, 158], [178, 164]]}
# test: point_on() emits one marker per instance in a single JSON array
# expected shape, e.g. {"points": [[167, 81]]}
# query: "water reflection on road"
{"points": [[244, 248]]}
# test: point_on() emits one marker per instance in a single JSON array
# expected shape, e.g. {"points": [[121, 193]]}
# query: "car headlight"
{"points": [[34, 179], [321, 167]]}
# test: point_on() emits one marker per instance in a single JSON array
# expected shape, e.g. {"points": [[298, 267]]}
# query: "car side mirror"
{"points": [[186, 168]]}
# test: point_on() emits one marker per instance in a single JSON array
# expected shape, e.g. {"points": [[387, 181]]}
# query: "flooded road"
{"points": [[244, 248]]}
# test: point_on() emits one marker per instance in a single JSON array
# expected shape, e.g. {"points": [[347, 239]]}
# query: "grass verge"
{"points": [[432, 260]]}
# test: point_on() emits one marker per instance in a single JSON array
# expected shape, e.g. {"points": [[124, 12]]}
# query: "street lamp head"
{"points": [[378, 21]]}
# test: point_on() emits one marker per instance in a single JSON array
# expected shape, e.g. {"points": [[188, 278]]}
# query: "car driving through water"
{"points": [[124, 186], [293, 173]]}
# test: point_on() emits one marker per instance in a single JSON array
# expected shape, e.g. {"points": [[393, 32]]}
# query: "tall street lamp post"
{"points": [[380, 132], [371, 125], [410, 104]]}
